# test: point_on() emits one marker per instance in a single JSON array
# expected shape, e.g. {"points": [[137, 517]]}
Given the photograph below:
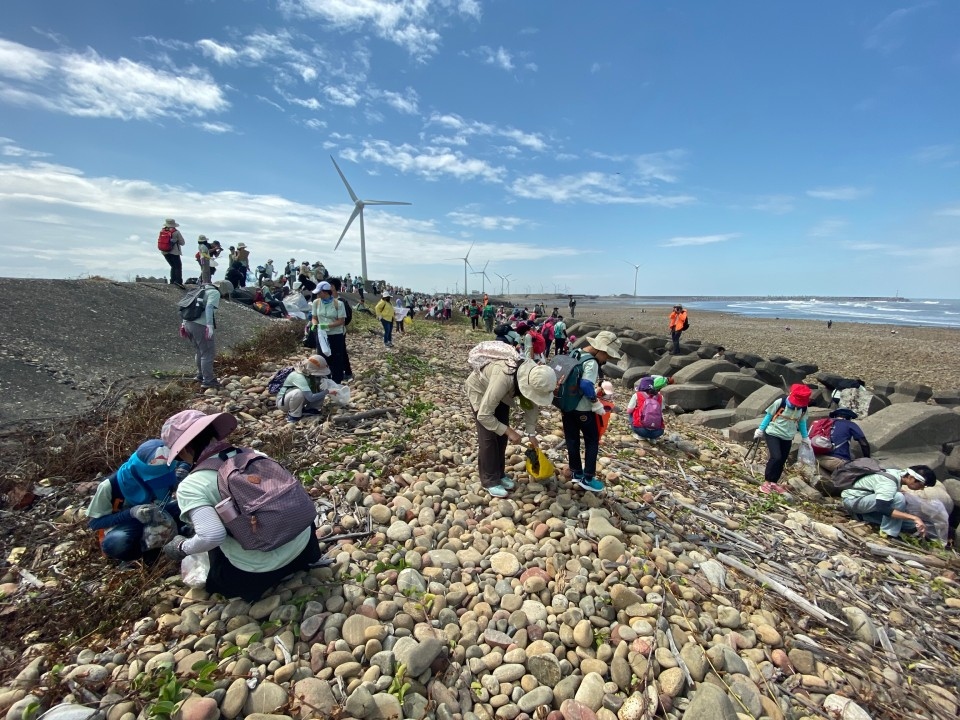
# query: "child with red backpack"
{"points": [[646, 410]]}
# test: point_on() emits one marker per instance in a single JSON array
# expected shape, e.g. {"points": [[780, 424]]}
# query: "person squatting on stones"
{"points": [[198, 439], [132, 511], [304, 390], [783, 419], [581, 421], [201, 333], [876, 499], [491, 391]]}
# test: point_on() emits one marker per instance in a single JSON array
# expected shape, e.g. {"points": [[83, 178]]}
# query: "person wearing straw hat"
{"points": [[173, 255], [195, 437], [491, 391], [303, 390], [243, 257], [581, 421]]}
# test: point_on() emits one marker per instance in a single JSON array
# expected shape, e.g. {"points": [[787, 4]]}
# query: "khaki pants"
{"points": [[828, 464]]}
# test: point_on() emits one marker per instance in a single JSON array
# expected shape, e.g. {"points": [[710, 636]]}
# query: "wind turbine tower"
{"points": [[358, 206], [636, 272], [483, 276], [466, 264]]}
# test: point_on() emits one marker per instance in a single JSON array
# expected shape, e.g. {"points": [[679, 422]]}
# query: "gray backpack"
{"points": [[846, 476], [263, 505], [193, 304]]}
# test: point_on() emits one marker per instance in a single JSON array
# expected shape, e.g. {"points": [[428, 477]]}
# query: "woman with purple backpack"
{"points": [[646, 407]]}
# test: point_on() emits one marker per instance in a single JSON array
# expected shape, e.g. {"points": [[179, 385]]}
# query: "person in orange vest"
{"points": [[678, 323]]}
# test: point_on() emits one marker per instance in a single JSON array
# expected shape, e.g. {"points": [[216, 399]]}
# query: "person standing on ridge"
{"points": [[201, 333], [243, 257], [573, 307], [678, 323], [171, 239]]}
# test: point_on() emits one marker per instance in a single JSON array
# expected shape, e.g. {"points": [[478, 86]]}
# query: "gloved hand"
{"points": [[757, 434], [324, 326], [146, 514], [183, 332], [183, 469], [598, 407], [805, 441], [174, 548], [209, 333]]}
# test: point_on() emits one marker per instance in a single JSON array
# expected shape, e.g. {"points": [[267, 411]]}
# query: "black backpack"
{"points": [[193, 303], [847, 475], [686, 324], [348, 310]]}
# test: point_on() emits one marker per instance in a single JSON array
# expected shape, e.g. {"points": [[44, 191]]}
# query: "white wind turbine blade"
{"points": [[357, 210], [353, 195], [385, 202]]}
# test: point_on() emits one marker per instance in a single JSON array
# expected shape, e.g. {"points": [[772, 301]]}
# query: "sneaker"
{"points": [[215, 384], [508, 482], [497, 491], [292, 419], [198, 378], [311, 411], [347, 377], [588, 483]]}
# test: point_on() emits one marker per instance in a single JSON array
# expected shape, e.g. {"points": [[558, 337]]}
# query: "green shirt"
{"points": [[880, 485], [489, 311], [199, 488], [785, 424]]}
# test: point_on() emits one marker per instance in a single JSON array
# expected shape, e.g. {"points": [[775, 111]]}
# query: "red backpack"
{"points": [[165, 239], [821, 433], [539, 344]]}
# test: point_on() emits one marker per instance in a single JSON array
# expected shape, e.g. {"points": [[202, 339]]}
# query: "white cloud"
{"points": [[846, 192], [466, 129], [411, 24], [950, 211], [698, 240], [222, 54], [868, 246], [589, 187], [88, 85], [499, 57], [595, 67], [216, 127], [406, 102], [9, 148], [69, 218], [776, 204], [486, 222], [887, 35], [315, 124], [828, 228], [662, 166], [430, 163], [344, 95], [934, 153]]}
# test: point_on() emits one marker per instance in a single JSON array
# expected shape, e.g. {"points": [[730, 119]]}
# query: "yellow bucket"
{"points": [[539, 466]]}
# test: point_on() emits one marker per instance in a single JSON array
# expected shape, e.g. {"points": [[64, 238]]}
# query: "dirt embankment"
{"points": [[64, 343]]}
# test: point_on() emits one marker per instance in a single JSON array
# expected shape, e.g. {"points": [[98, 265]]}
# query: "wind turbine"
{"points": [[358, 206], [484, 277], [466, 264], [636, 272], [502, 281], [507, 278]]}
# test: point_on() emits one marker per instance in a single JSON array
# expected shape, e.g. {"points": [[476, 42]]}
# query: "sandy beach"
{"points": [[872, 352]]}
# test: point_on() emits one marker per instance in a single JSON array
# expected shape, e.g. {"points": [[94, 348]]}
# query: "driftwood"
{"points": [[886, 551], [356, 417], [781, 590]]}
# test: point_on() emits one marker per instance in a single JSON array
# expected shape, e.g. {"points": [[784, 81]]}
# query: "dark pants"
{"points": [[337, 359], [475, 322], [231, 581], [573, 311], [675, 335], [125, 541], [778, 449], [176, 268], [492, 452], [560, 343], [575, 424], [387, 331]]}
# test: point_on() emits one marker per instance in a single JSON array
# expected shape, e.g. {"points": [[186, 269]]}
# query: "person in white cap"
{"points": [[330, 316], [491, 391], [169, 243], [581, 420], [386, 315]]}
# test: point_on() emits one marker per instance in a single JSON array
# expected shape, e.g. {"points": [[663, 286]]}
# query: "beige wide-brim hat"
{"points": [[606, 341], [315, 365], [241, 246], [536, 382], [180, 429], [170, 222]]}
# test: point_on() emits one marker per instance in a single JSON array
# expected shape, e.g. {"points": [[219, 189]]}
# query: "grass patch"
{"points": [[277, 340]]}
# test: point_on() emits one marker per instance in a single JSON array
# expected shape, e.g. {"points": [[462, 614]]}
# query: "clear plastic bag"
{"points": [[805, 456], [194, 570]]}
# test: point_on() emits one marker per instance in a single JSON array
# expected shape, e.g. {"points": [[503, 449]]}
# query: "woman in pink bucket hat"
{"points": [[197, 438]]}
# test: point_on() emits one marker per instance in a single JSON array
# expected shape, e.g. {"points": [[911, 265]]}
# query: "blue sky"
{"points": [[731, 148]]}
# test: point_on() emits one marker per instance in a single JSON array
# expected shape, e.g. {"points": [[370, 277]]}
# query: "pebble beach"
{"points": [[873, 352]]}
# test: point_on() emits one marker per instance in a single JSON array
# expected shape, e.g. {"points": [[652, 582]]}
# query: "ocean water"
{"points": [[925, 313]]}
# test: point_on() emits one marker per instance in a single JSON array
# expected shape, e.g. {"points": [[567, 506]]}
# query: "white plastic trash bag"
{"points": [[194, 570], [805, 455]]}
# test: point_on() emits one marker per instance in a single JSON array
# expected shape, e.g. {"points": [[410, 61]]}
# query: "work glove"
{"points": [[805, 441], [183, 332], [757, 434], [209, 333], [145, 514], [174, 548], [598, 407]]}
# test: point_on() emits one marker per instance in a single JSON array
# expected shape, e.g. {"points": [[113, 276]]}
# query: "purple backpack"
{"points": [[263, 505]]}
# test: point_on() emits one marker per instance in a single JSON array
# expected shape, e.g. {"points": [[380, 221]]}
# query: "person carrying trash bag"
{"points": [[252, 516], [491, 390], [783, 419], [132, 510]]}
